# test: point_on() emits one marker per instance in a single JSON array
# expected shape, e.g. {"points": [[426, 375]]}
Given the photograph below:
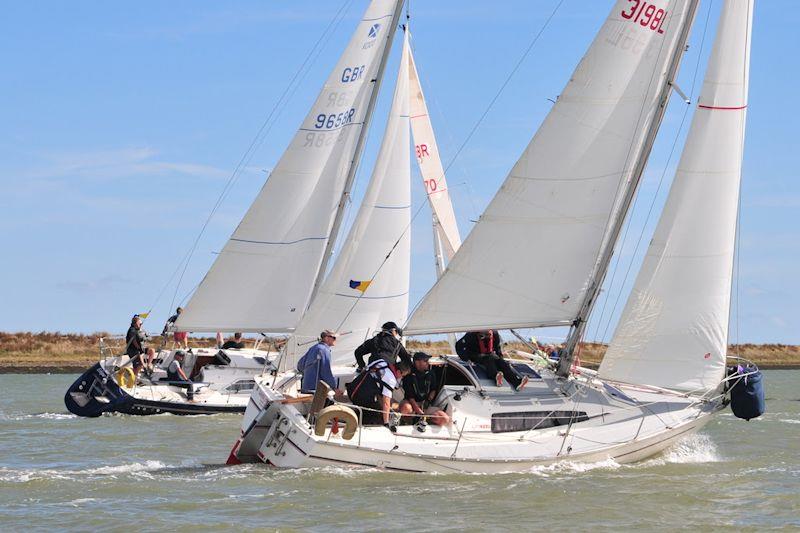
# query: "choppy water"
{"points": [[167, 472]]}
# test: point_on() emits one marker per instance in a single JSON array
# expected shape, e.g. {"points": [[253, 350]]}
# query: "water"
{"points": [[160, 472]]}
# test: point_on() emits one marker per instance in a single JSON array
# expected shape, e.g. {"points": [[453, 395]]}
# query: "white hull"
{"points": [[625, 424]]}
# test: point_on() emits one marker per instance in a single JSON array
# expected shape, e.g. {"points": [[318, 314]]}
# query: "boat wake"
{"points": [[45, 416], [696, 448]]}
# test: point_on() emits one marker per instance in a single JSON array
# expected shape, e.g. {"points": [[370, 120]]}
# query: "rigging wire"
{"points": [[261, 134], [738, 244], [503, 86], [653, 201]]}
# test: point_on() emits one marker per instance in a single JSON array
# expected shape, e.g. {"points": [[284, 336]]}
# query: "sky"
{"points": [[121, 123]]}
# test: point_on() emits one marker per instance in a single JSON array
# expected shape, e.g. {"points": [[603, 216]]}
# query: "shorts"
{"points": [[180, 336]]}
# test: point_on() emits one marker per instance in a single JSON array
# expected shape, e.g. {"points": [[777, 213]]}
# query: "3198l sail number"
{"points": [[334, 120], [645, 14]]}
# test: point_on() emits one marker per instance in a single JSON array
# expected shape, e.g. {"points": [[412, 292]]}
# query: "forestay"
{"points": [[673, 332], [528, 261], [430, 165], [262, 279], [365, 288]]}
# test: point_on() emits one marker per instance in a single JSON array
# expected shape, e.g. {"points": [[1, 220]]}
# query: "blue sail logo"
{"points": [[373, 31]]}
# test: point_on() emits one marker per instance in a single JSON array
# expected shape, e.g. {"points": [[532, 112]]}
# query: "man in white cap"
{"points": [[315, 365]]}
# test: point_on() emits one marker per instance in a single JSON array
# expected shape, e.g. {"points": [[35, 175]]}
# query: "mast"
{"points": [[351, 173], [579, 325]]}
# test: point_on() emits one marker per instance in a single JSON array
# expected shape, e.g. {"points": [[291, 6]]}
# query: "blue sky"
{"points": [[122, 121]]}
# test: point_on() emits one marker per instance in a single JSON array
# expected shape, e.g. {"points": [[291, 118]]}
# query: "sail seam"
{"points": [[280, 242], [722, 108]]}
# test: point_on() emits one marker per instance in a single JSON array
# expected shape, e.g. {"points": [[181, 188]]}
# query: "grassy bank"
{"points": [[69, 352]]}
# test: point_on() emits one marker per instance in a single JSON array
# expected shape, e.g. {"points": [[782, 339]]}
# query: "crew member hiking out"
{"points": [[385, 345], [483, 348], [372, 389]]}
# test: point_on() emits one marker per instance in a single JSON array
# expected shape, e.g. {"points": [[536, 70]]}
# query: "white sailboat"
{"points": [[276, 258], [664, 375]]}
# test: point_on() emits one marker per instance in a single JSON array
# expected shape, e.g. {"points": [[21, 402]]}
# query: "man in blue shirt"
{"points": [[315, 365]]}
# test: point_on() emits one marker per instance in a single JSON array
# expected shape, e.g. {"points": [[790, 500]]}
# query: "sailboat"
{"points": [[664, 376], [270, 272]]}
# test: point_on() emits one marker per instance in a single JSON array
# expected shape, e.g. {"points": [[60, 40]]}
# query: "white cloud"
{"points": [[138, 162]]}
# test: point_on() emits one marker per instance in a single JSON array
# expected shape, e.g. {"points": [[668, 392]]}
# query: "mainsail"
{"points": [[548, 222], [430, 166], [368, 284], [673, 332], [263, 277]]}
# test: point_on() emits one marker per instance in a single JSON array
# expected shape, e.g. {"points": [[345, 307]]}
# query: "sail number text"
{"points": [[351, 74], [334, 120], [645, 14]]}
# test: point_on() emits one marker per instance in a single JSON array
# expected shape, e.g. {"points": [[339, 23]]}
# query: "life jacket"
{"points": [[367, 388], [486, 345]]}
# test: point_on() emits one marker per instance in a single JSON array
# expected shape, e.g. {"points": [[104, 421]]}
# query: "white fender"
{"points": [[343, 413]]}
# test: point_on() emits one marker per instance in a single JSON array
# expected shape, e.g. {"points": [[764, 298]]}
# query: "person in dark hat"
{"points": [[176, 375], [385, 345], [420, 388]]}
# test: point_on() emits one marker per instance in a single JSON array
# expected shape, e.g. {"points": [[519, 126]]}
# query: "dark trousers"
{"points": [[493, 364]]}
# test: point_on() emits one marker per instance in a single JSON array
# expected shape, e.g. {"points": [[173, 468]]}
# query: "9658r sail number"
{"points": [[334, 120]]}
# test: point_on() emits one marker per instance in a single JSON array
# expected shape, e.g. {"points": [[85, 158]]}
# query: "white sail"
{"points": [[430, 166], [262, 279], [365, 289], [528, 261], [673, 332]]}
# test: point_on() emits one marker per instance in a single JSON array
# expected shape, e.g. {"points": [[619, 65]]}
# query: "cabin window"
{"points": [[241, 385], [526, 420]]}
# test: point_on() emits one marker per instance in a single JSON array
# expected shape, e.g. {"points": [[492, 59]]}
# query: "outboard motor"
{"points": [[747, 392], [95, 393]]}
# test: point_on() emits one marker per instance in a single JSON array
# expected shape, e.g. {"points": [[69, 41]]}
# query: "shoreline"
{"points": [[78, 369], [73, 353]]}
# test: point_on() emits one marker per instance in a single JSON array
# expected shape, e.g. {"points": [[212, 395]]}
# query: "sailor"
{"points": [[385, 345], [181, 338], [483, 348], [420, 389], [177, 377], [315, 365], [135, 348], [236, 343], [372, 389]]}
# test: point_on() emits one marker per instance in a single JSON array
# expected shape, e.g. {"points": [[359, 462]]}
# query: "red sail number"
{"points": [[645, 14]]}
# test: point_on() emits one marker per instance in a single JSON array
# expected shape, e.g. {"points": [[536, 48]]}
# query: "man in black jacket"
{"points": [[135, 345], [385, 345], [483, 348]]}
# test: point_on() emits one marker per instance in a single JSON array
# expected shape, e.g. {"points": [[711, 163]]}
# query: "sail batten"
{"points": [[263, 278], [673, 331]]}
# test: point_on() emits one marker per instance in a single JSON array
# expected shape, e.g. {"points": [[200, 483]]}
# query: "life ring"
{"points": [[125, 377], [343, 414]]}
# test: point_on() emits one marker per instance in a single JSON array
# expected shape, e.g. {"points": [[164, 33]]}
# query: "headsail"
{"points": [[365, 288], [430, 166], [673, 332], [549, 218], [262, 279]]}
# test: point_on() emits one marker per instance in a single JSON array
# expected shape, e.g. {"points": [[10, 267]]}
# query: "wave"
{"points": [[696, 448], [45, 416]]}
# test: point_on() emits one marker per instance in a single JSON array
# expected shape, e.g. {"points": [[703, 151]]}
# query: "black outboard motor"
{"points": [[95, 393], [747, 392]]}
